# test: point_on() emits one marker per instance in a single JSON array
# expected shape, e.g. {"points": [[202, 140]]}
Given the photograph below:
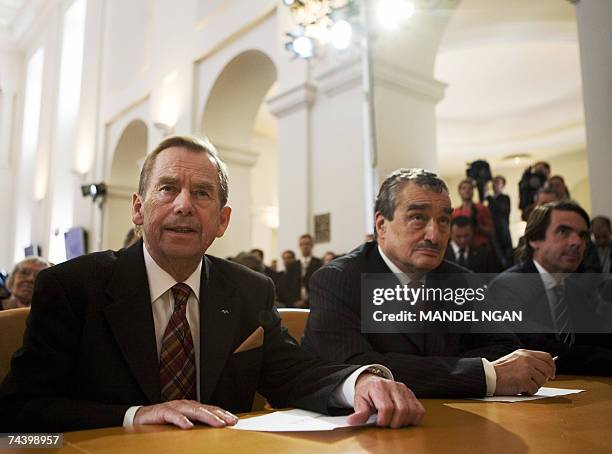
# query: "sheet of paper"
{"points": [[543, 393], [294, 421]]}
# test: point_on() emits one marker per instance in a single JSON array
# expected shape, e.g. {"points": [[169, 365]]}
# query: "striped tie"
{"points": [[562, 318], [177, 370]]}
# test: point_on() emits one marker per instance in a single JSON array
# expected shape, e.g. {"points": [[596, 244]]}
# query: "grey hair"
{"points": [[33, 259], [386, 200], [193, 144]]}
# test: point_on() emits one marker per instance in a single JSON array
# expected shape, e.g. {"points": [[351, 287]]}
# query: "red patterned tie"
{"points": [[177, 369]]}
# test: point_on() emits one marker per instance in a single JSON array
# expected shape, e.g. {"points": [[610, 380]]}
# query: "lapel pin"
{"points": [[225, 311]]}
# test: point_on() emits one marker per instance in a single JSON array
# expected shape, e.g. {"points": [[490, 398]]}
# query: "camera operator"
{"points": [[533, 179]]}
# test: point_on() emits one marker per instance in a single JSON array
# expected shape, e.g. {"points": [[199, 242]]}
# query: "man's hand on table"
{"points": [[183, 413], [523, 372], [396, 405]]}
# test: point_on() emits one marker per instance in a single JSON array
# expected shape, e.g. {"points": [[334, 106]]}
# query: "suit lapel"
{"points": [[376, 264], [131, 319], [219, 318]]}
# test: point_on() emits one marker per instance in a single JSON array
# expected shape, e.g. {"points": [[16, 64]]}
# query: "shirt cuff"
{"points": [[344, 394], [490, 377], [128, 418]]}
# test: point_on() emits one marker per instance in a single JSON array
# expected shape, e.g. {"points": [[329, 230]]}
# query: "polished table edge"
{"points": [[468, 410]]}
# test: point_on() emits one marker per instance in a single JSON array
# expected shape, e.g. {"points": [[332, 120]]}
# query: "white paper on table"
{"points": [[543, 393], [295, 421]]}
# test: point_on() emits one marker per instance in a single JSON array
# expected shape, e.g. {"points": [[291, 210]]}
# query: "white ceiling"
{"points": [[514, 85]]}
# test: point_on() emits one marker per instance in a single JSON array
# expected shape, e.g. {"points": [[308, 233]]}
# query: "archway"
{"points": [[127, 160], [237, 121], [514, 92]]}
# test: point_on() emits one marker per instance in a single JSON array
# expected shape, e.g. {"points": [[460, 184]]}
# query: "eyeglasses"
{"points": [[27, 272]]}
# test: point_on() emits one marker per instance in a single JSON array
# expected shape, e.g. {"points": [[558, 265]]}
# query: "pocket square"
{"points": [[253, 341]]}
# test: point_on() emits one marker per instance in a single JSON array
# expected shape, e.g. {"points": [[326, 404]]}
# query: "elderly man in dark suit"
{"points": [[566, 313], [412, 223], [159, 333], [295, 285]]}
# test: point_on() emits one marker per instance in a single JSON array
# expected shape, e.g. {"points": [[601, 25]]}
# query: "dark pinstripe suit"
{"points": [[432, 365]]}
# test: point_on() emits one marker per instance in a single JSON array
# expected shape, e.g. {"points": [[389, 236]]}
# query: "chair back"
{"points": [[12, 326], [295, 321]]}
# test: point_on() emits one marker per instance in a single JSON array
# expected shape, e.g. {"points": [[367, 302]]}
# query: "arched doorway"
{"points": [[514, 93], [237, 121], [127, 160]]}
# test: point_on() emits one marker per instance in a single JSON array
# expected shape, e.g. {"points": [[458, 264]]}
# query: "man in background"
{"points": [[602, 239], [20, 282], [460, 250], [298, 273]]}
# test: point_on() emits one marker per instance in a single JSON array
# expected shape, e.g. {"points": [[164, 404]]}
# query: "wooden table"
{"points": [[577, 423]]}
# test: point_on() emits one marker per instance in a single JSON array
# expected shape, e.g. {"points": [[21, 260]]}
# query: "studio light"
{"points": [[341, 34], [392, 13], [94, 190], [302, 47]]}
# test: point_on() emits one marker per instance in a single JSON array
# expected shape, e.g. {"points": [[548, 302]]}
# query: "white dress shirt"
{"points": [[489, 369], [162, 306]]}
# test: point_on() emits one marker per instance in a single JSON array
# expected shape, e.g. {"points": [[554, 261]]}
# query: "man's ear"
{"points": [[380, 224], [535, 244], [137, 202], [224, 218]]}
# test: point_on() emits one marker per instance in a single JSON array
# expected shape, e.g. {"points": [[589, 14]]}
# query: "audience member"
{"points": [[480, 214], [328, 257], [552, 298], [499, 205], [288, 257], [602, 232], [296, 281], [251, 261], [20, 282], [544, 195], [268, 271], [4, 293], [114, 337], [557, 183], [533, 179], [412, 222], [461, 252]]}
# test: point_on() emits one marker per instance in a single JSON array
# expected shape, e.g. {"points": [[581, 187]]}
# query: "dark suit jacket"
{"points": [[500, 211], [478, 259], [89, 349], [292, 280], [432, 365], [591, 353]]}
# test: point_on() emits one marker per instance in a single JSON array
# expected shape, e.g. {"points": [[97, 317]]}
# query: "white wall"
{"points": [[11, 84]]}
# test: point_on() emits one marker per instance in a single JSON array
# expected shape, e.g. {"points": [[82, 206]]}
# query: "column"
{"points": [[594, 19]]}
